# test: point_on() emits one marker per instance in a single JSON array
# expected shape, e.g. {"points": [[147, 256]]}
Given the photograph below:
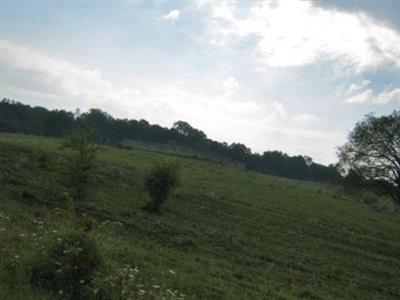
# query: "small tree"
{"points": [[82, 161], [159, 182], [373, 152]]}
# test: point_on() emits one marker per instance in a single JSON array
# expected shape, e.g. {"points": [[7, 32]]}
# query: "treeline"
{"points": [[20, 118]]}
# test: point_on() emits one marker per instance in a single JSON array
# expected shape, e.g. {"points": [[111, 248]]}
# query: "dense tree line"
{"points": [[17, 117]]}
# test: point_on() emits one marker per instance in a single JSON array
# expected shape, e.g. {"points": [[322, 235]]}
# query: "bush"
{"points": [[159, 182], [67, 265]]}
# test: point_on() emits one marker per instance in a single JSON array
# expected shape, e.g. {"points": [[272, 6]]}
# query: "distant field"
{"points": [[226, 233]]}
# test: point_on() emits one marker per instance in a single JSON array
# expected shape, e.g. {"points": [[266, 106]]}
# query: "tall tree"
{"points": [[373, 151]]}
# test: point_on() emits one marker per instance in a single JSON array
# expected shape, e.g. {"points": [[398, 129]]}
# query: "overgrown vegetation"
{"points": [[159, 182], [67, 264]]}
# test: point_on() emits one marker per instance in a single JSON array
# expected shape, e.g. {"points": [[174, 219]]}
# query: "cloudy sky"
{"points": [[287, 75]]}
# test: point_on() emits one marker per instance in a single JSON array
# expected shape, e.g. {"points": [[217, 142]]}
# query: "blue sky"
{"points": [[287, 75]]}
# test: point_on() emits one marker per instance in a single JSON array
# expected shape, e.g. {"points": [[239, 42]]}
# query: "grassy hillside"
{"points": [[225, 234], [177, 150]]}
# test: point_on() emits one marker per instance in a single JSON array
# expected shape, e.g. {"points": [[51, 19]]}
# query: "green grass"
{"points": [[226, 233], [177, 150]]}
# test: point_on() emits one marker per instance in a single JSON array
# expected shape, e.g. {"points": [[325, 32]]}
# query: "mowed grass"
{"points": [[226, 233]]}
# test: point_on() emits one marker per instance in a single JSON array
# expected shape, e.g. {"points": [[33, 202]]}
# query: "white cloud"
{"points": [[172, 16], [198, 4], [354, 87], [32, 74], [368, 96], [388, 96], [224, 10], [305, 118], [297, 33], [360, 97], [229, 85]]}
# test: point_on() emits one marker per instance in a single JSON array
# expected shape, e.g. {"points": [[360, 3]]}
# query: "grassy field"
{"points": [[177, 150], [225, 234]]}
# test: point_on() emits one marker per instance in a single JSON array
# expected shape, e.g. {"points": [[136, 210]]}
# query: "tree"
{"points": [[187, 130], [373, 151], [159, 182], [240, 152], [82, 161]]}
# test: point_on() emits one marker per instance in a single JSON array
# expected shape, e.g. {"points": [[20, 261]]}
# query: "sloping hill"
{"points": [[225, 234]]}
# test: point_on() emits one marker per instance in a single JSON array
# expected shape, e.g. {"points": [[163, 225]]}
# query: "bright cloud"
{"points": [[173, 15], [230, 86], [305, 118], [297, 33], [355, 87], [368, 96]]}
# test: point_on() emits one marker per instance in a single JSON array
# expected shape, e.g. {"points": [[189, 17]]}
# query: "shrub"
{"points": [[159, 182], [67, 265]]}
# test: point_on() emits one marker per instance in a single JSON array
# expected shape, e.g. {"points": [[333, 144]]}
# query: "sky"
{"points": [[286, 75]]}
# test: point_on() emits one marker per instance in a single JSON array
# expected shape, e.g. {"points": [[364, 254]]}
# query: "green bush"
{"points": [[159, 182], [67, 265]]}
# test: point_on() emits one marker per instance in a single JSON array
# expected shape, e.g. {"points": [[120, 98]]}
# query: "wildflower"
{"points": [[22, 235], [172, 272]]}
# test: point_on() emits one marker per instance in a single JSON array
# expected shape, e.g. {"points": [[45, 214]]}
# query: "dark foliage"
{"points": [[159, 182], [16, 117]]}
